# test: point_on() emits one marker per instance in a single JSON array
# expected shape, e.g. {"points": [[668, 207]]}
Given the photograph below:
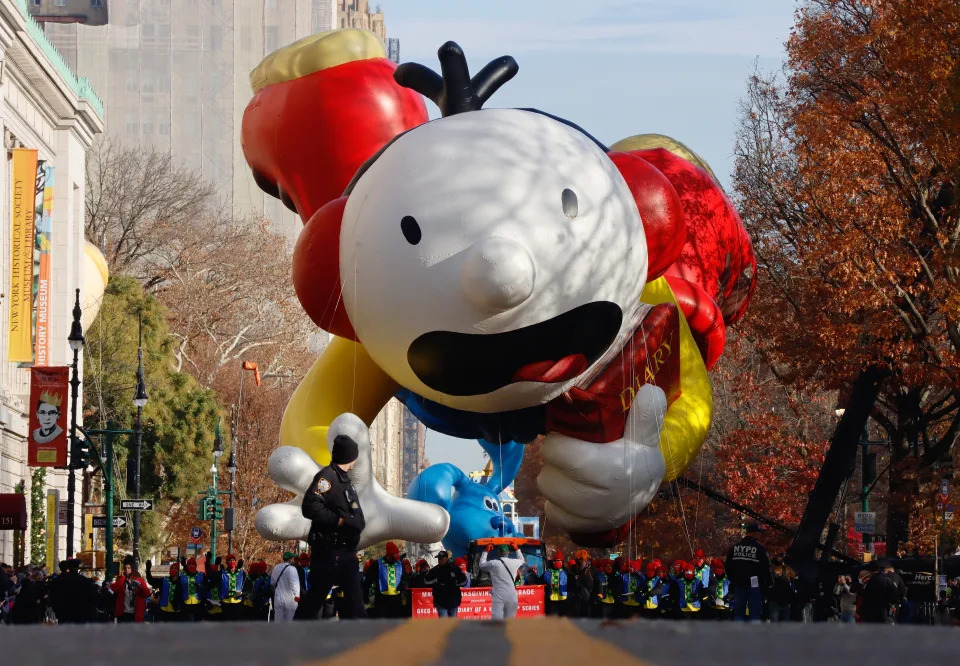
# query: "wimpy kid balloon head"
{"points": [[486, 259]]}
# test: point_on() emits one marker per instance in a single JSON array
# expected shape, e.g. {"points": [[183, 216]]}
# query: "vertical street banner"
{"points": [[22, 227], [53, 528], [47, 442], [44, 226]]}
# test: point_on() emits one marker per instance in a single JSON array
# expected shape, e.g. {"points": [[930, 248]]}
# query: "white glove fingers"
{"points": [[283, 522], [292, 468], [646, 416], [557, 487]]}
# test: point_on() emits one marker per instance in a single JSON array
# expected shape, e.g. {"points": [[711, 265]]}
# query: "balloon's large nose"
{"points": [[498, 274]]}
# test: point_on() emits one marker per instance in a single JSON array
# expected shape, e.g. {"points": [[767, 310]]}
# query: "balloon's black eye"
{"points": [[411, 230], [568, 200]]}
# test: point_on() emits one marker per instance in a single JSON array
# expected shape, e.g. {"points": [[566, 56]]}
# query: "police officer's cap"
{"points": [[345, 450]]}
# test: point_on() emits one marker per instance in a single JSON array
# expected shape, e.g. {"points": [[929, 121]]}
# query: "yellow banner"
{"points": [[88, 531], [21, 255], [53, 516]]}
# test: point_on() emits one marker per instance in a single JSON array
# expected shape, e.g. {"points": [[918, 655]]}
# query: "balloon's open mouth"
{"points": [[555, 350]]}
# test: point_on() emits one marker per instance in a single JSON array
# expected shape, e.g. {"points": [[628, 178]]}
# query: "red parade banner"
{"points": [[48, 417], [477, 603]]}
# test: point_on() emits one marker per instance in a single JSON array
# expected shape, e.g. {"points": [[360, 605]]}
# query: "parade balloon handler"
{"points": [[386, 579], [332, 506], [214, 571], [503, 573], [170, 597], [499, 325], [555, 585], [232, 582], [286, 588], [193, 592]]}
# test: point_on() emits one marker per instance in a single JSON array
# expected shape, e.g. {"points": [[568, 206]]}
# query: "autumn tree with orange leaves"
{"points": [[846, 176]]}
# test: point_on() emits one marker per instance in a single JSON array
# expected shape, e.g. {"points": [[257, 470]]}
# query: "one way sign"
{"points": [[136, 505], [101, 521]]}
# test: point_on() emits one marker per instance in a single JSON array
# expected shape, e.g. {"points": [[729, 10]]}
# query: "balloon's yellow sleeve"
{"points": [[343, 379], [687, 420]]}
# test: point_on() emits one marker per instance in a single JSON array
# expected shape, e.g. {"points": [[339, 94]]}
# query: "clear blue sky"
{"points": [[615, 67]]}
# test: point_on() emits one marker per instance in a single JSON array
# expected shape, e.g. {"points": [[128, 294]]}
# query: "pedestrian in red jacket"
{"points": [[131, 592]]}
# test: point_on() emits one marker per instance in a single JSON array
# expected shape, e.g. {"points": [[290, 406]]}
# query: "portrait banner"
{"points": [[48, 417], [22, 227]]}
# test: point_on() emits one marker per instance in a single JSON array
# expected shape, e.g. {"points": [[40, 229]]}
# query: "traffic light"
{"points": [[218, 509], [82, 454]]}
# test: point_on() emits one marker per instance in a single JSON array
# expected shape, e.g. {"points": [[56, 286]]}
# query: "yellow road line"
{"points": [[559, 641], [413, 643]]}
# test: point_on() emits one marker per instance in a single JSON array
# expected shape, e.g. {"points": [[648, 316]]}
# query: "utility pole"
{"points": [[106, 467]]}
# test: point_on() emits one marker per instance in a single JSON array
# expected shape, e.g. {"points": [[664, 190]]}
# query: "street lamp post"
{"points": [[140, 400], [215, 490], [228, 523], [76, 344]]}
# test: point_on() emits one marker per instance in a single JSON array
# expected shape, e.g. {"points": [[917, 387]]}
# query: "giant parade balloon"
{"points": [[503, 273]]}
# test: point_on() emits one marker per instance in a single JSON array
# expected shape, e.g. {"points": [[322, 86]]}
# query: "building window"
{"points": [[61, 3], [96, 3]]}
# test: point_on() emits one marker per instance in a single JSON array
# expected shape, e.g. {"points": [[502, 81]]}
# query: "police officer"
{"points": [[748, 567], [332, 505]]}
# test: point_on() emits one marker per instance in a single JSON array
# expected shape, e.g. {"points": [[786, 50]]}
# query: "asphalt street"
{"points": [[528, 642]]}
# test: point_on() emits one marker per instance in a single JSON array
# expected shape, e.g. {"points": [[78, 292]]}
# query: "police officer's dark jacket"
{"points": [[748, 558], [446, 581], [331, 496]]}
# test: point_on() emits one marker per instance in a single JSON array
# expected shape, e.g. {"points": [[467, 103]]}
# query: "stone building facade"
{"points": [[43, 106]]}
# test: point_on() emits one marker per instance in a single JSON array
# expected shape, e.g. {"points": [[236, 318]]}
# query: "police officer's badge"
{"points": [[323, 486]]}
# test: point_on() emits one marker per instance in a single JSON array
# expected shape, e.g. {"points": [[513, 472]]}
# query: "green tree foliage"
{"points": [[179, 418], [38, 520]]}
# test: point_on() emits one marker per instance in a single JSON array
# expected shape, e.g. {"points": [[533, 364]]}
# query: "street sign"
{"points": [[196, 534], [945, 487], [194, 548], [62, 513], [174, 552], [136, 505], [865, 522], [101, 521], [947, 515]]}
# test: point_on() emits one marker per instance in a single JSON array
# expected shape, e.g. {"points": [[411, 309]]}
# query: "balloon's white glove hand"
{"points": [[387, 517], [593, 487]]}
